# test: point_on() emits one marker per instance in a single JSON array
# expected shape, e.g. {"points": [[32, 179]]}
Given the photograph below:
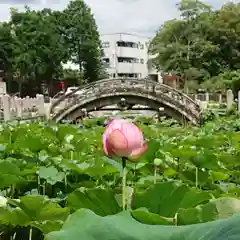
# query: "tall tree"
{"points": [[202, 44], [6, 48], [39, 48], [190, 9], [226, 33], [35, 44], [82, 38]]}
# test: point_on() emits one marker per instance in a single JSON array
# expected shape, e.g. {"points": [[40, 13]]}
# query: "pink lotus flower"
{"points": [[123, 139]]}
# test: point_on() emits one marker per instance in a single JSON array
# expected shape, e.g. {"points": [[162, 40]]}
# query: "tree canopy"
{"points": [[34, 45], [202, 47]]}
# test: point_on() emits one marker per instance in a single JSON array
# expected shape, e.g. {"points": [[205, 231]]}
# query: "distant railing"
{"points": [[209, 97], [12, 108]]}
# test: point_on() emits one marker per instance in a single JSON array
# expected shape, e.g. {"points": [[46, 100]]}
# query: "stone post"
{"points": [[160, 78], [84, 112], [18, 103], [47, 108], [230, 99], [3, 88], [160, 113], [220, 98], [174, 83], [40, 105], [207, 97], [238, 102], [6, 100]]}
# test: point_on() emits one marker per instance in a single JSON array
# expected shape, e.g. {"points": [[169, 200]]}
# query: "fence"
{"points": [[227, 99], [22, 108], [209, 97]]}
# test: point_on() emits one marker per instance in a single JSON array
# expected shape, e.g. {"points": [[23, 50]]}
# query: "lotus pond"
{"points": [[56, 184]]}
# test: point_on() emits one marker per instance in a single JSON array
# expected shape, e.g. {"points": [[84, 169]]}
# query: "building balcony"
{"points": [[129, 52], [131, 68]]}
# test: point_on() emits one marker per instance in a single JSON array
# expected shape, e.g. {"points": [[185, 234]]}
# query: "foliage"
{"points": [[49, 171], [39, 48], [229, 79], [82, 37], [202, 44], [6, 46], [37, 43], [72, 77]]}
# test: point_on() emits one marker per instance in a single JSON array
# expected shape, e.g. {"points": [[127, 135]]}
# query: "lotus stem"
{"points": [[196, 173], [44, 188], [175, 219], [30, 234], [124, 175], [155, 175], [65, 181]]}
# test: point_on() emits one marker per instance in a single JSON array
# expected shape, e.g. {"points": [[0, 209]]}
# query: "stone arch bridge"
{"points": [[127, 92]]}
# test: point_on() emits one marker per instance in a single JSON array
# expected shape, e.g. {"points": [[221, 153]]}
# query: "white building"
{"points": [[126, 55]]}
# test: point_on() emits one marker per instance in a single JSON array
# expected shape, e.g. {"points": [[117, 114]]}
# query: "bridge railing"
{"points": [[96, 87], [71, 94], [115, 86]]}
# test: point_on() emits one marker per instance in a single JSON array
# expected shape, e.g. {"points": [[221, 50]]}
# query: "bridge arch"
{"points": [[107, 92]]}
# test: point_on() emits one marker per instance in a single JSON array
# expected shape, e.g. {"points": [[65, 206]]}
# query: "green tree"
{"points": [[35, 44], [201, 45], [226, 33], [191, 9], [6, 50], [82, 38], [72, 77], [39, 48]]}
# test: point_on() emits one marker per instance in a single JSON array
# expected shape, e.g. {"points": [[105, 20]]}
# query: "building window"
{"points": [[142, 61], [105, 44], [127, 60], [106, 60], [127, 44], [128, 75]]}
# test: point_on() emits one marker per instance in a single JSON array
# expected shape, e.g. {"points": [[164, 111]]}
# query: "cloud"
{"points": [[139, 15], [142, 16], [19, 1]]}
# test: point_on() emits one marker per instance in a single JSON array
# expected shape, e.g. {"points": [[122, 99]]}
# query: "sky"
{"points": [[140, 16]]}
